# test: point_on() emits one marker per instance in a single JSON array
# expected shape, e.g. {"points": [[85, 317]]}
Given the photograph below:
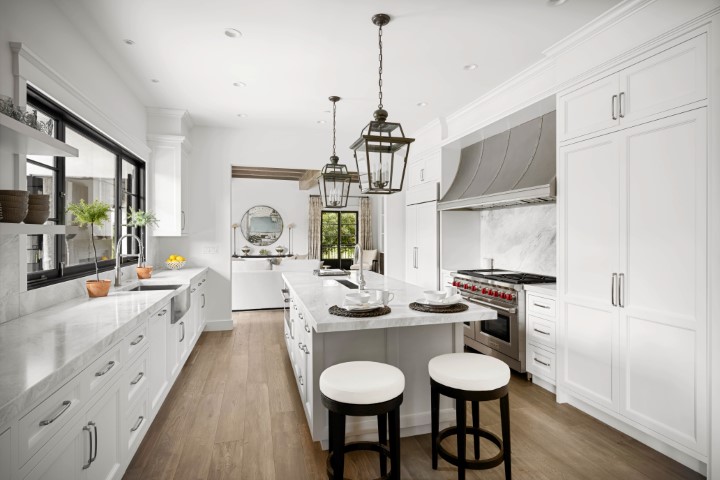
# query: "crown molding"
{"points": [[21, 51]]}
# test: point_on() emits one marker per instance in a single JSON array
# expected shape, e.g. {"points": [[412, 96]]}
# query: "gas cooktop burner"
{"points": [[508, 276]]}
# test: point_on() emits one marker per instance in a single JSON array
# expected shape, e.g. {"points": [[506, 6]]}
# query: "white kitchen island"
{"points": [[405, 338]]}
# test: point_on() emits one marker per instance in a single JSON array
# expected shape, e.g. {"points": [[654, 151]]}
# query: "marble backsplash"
{"points": [[520, 238]]}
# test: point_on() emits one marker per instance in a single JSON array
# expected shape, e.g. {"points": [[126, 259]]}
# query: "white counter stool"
{"points": [[475, 378], [363, 389]]}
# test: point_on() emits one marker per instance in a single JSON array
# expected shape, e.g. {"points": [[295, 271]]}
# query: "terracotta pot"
{"points": [[144, 272], [97, 288]]}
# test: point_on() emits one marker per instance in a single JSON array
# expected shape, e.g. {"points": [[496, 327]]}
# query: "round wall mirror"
{"points": [[261, 225]]}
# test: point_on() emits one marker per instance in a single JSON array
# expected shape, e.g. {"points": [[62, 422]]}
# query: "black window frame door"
{"points": [[339, 246]]}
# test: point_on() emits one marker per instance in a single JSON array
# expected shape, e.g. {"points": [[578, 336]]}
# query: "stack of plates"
{"points": [[14, 205], [445, 301], [360, 307], [38, 209]]}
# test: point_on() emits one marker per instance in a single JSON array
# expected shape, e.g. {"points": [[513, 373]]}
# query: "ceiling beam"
{"points": [[309, 179]]}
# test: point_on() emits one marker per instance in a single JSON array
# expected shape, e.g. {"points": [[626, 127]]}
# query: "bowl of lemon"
{"points": [[175, 262]]}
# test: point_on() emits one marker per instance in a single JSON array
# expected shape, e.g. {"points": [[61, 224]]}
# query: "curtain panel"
{"points": [[365, 223], [314, 227]]}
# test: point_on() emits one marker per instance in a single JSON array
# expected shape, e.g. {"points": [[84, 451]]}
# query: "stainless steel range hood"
{"points": [[515, 167]]}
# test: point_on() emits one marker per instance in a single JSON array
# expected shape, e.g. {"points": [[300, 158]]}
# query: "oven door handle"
{"points": [[497, 307]]}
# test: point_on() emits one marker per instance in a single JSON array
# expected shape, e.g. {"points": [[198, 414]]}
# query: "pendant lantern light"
{"points": [[382, 149], [334, 179]]}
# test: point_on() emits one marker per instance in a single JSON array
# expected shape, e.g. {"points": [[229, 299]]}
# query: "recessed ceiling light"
{"points": [[128, 42], [233, 33], [239, 84], [470, 66], [155, 80], [242, 115], [320, 121], [422, 104], [555, 3]]}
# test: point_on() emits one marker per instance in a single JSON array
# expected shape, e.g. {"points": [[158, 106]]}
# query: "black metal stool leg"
{"points": [[394, 416], [337, 436], [460, 418], [382, 438], [435, 421], [505, 420], [476, 426]]}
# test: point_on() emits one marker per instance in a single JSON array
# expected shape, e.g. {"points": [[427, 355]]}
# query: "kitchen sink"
{"points": [[145, 288], [348, 284], [180, 302]]}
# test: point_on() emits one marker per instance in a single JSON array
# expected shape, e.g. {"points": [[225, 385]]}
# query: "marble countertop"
{"points": [[544, 288], [42, 351], [318, 294]]}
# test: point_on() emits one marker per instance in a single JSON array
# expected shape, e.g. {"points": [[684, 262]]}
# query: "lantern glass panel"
{"points": [[334, 184]]}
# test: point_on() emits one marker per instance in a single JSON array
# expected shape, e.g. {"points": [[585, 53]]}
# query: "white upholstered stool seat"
{"points": [[469, 371], [362, 383]]}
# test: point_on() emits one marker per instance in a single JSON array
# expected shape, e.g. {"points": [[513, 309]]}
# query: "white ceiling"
{"points": [[294, 54]]}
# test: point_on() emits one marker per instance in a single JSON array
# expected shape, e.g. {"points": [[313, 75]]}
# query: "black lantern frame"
{"points": [[334, 180], [380, 154]]}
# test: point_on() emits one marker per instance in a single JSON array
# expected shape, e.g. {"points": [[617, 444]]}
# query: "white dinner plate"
{"points": [[361, 307], [445, 301]]}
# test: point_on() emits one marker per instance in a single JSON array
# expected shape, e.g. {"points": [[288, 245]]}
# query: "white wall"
{"points": [[70, 70]]}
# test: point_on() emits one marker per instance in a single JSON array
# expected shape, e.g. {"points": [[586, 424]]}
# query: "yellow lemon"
{"points": [[179, 258], [171, 258]]}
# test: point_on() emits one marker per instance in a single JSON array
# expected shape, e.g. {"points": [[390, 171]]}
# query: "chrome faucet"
{"points": [[358, 257], [118, 255]]}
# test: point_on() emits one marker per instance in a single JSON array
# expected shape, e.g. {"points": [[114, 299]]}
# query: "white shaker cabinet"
{"points": [[421, 239], [666, 79], [158, 358], [170, 160], [633, 270]]}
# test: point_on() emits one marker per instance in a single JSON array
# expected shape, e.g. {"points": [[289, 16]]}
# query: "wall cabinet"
{"points": [[668, 78], [424, 169], [170, 160], [632, 222], [421, 240]]}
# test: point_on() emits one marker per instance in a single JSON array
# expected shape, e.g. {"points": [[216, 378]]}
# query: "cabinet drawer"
{"points": [[541, 362], [101, 371], [545, 307], [136, 341], [135, 423], [45, 420], [136, 377], [541, 331]]}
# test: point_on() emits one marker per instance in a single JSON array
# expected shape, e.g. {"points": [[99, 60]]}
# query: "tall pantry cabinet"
{"points": [[632, 243]]}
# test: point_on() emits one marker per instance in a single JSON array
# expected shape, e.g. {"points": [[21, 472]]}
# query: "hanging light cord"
{"points": [[334, 111], [380, 69]]}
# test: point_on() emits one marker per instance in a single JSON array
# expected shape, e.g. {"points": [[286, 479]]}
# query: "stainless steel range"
{"points": [[503, 291]]}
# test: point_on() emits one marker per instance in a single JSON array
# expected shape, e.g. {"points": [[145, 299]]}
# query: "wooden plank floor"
{"points": [[235, 413]]}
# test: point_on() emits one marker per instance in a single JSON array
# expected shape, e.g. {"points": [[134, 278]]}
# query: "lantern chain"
{"points": [[380, 68], [334, 112]]}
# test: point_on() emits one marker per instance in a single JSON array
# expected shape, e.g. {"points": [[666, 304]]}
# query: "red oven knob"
{"points": [[454, 284], [503, 296], [474, 288], [484, 291], [497, 294], [510, 296], [490, 292], [467, 286]]}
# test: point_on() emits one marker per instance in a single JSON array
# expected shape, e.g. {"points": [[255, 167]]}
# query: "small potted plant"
{"points": [[93, 214], [142, 219]]}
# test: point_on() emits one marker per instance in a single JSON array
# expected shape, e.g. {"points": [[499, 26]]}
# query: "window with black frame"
{"points": [[339, 236], [102, 171]]}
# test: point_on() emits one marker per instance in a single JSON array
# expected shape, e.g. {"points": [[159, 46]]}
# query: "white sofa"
{"points": [[256, 282]]}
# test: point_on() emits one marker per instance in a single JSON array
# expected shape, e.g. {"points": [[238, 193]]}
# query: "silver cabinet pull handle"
{"points": [[137, 340], [301, 380], [63, 408], [182, 220], [163, 312], [199, 283], [541, 362], [300, 315], [182, 325], [86, 428], [193, 290], [203, 299], [613, 289], [306, 349], [203, 280], [137, 423], [300, 345], [613, 103], [621, 104], [105, 370], [540, 305], [621, 290], [307, 328], [137, 379], [540, 331], [95, 431]]}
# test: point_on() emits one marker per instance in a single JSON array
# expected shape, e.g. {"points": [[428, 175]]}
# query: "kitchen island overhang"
{"points": [[405, 338]]}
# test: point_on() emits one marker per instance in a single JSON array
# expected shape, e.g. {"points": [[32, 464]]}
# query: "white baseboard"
{"points": [[541, 382], [218, 325]]}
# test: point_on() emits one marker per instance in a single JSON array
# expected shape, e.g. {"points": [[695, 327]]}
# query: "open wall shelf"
{"points": [[16, 137]]}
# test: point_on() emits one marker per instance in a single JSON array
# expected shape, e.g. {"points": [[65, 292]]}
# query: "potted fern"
{"points": [[93, 214], [142, 219]]}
